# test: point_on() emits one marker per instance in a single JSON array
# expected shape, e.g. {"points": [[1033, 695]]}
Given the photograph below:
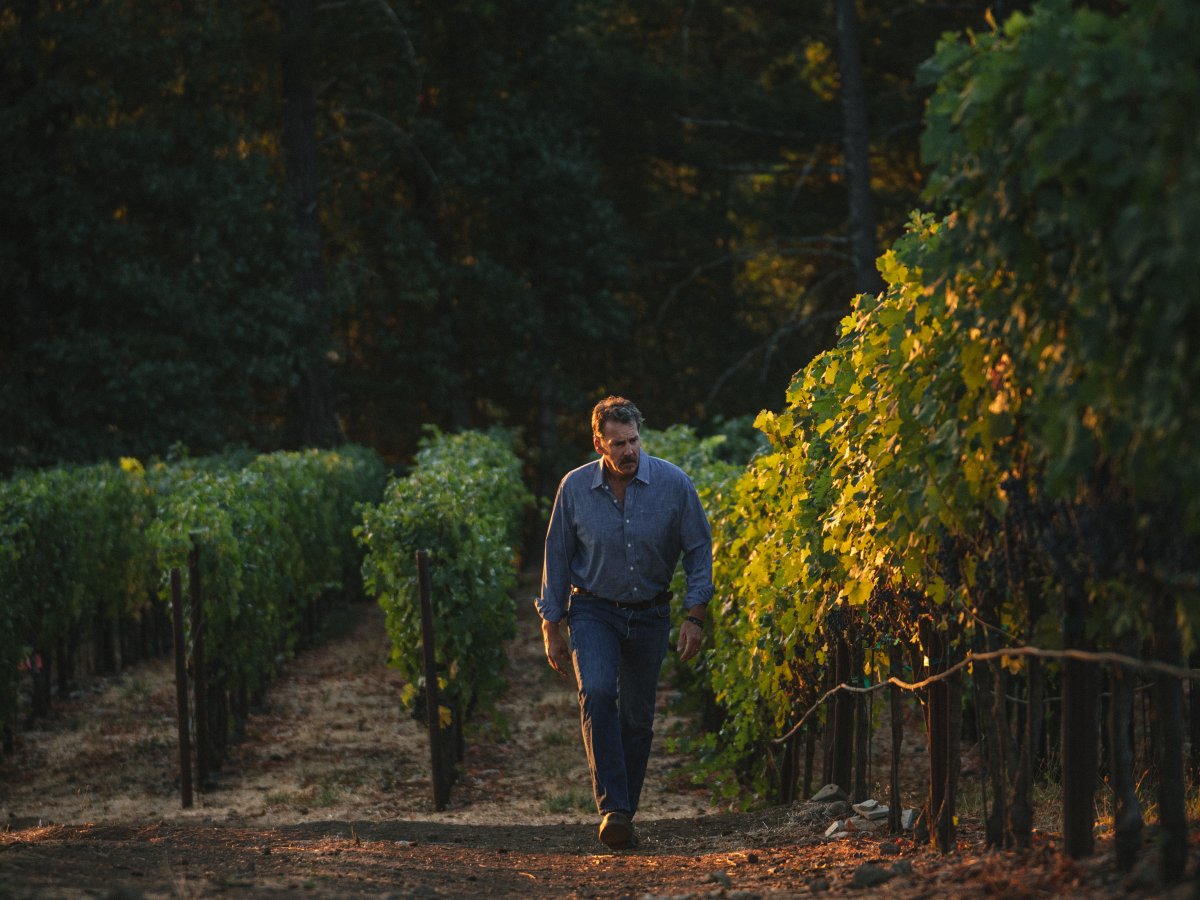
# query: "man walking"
{"points": [[618, 528]]}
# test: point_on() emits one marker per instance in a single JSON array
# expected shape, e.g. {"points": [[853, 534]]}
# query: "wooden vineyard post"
{"points": [[843, 716], [1172, 786], [1128, 820], [440, 755], [1080, 733], [181, 691], [200, 678], [862, 724], [789, 768], [896, 670]]}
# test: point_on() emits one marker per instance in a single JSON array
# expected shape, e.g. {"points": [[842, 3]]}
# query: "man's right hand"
{"points": [[557, 652]]}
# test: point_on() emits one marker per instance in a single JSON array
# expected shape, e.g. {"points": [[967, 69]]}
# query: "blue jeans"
{"points": [[617, 654]]}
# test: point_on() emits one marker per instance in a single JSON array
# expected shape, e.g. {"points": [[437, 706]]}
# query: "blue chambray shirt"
{"points": [[630, 554]]}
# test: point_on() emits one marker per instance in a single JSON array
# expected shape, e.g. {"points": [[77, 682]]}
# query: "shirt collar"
{"points": [[642, 474]]}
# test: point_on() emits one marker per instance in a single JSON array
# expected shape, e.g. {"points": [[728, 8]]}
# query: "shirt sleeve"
{"points": [[556, 566], [696, 538]]}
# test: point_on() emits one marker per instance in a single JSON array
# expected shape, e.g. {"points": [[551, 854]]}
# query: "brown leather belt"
{"points": [[656, 600]]}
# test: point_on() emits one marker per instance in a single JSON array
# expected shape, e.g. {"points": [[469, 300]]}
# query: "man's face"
{"points": [[620, 446]]}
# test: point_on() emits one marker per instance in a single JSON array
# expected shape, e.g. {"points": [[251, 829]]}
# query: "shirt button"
{"points": [[629, 545], [631, 568]]}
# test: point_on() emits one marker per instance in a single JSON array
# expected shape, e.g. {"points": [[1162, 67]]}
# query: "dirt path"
{"points": [[328, 796]]}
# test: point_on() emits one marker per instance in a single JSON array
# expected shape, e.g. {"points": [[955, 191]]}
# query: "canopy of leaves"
{"points": [[1004, 439]]}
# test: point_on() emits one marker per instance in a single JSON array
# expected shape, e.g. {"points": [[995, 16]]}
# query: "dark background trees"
{"points": [[293, 222]]}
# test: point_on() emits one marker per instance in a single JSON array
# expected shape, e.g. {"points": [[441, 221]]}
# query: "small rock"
{"points": [[839, 809], [818, 884], [878, 814], [902, 866], [864, 808], [871, 875], [908, 818], [836, 826], [889, 849], [719, 878], [858, 823], [829, 793]]}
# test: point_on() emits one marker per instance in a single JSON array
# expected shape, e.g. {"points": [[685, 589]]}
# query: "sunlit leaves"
{"points": [[1021, 335]]}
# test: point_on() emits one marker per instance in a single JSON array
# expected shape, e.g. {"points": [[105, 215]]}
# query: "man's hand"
{"points": [[557, 652], [691, 635]]}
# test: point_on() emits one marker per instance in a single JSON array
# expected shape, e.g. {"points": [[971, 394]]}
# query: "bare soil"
{"points": [[328, 795]]}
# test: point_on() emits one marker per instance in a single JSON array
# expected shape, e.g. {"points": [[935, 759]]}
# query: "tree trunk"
{"points": [[1080, 738], [920, 673], [106, 654], [1168, 702], [947, 821], [547, 474], [40, 674], [1128, 815], [810, 752], [64, 668], [828, 719], [989, 681], [1194, 722], [1020, 808], [789, 769], [316, 424], [857, 151]]}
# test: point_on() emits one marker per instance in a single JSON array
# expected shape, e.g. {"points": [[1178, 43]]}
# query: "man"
{"points": [[617, 530]]}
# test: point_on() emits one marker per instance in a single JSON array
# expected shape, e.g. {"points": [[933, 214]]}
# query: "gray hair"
{"points": [[615, 409]]}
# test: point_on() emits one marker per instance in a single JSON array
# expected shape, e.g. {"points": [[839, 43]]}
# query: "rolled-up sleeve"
{"points": [[556, 571], [696, 540]]}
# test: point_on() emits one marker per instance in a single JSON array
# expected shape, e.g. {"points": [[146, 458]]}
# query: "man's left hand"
{"points": [[691, 636]]}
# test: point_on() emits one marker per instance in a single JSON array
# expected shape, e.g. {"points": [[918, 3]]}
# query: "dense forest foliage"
{"points": [[291, 223]]}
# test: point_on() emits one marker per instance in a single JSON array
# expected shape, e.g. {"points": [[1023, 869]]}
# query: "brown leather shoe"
{"points": [[616, 831]]}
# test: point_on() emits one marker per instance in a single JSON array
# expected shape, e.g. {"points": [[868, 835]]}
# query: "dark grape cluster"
{"points": [[837, 620], [948, 561], [1020, 508]]}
